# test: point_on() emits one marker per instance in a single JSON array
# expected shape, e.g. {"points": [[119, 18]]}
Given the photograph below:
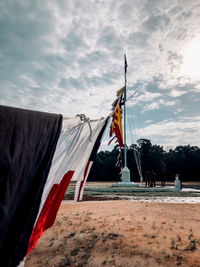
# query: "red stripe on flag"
{"points": [[82, 182], [50, 209]]}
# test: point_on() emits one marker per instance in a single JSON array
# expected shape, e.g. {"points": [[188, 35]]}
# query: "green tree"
{"points": [[183, 160]]}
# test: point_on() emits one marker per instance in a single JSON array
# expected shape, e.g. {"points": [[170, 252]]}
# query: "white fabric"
{"points": [[77, 188], [78, 185], [72, 152], [22, 263], [81, 193]]}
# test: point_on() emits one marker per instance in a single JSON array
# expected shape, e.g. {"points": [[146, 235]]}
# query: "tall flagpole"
{"points": [[125, 71], [125, 177]]}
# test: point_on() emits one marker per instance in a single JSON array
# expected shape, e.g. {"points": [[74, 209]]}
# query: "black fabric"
{"points": [[27, 143], [98, 142]]}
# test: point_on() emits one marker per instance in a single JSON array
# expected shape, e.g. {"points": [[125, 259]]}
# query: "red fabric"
{"points": [[112, 140], [48, 213], [118, 135], [82, 182], [116, 126]]}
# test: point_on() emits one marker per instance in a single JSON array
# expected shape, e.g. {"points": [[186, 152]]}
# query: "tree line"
{"points": [[183, 160]]}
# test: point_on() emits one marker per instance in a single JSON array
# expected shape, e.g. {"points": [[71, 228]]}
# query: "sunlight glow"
{"points": [[191, 60]]}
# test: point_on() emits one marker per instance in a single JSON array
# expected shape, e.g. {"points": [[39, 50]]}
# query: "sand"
{"points": [[121, 233]]}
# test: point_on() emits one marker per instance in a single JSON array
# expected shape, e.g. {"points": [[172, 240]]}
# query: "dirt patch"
{"points": [[121, 233]]}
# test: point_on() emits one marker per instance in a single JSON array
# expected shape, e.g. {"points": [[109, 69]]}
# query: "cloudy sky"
{"points": [[67, 57]]}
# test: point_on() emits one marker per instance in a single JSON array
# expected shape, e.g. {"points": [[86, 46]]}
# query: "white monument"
{"points": [[177, 182]]}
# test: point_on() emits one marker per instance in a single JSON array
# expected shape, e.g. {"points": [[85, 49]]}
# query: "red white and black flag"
{"points": [[37, 162], [75, 152]]}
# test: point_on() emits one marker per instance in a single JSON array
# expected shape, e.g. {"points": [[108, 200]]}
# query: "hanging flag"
{"points": [[80, 184], [120, 91], [27, 144], [116, 126], [71, 162], [37, 161], [119, 162], [119, 99]]}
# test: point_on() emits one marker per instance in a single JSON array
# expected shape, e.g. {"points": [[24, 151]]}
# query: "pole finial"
{"points": [[125, 63]]}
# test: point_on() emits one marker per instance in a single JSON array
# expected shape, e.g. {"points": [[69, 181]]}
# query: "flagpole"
{"points": [[125, 150], [125, 177]]}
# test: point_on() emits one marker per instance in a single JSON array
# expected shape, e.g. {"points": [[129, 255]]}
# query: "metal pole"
{"points": [[125, 177], [125, 152]]}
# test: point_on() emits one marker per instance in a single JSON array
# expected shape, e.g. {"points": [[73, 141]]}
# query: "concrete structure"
{"points": [[133, 189], [177, 182]]}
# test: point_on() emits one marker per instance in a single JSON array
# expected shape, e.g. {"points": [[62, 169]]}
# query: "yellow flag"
{"points": [[118, 93]]}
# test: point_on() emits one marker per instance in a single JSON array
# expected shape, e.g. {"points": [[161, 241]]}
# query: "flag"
{"points": [[119, 161], [27, 144], [70, 163], [120, 91], [119, 99], [80, 184], [38, 160], [116, 126]]}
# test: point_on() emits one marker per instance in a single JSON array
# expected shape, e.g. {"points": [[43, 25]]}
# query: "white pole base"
{"points": [[126, 177]]}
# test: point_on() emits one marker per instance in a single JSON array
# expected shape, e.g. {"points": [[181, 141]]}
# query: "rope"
{"points": [[85, 119], [132, 95], [136, 152]]}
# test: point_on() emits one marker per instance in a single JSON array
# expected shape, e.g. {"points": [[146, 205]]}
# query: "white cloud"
{"points": [[169, 103], [183, 131], [197, 88], [148, 121], [151, 106], [179, 110], [176, 93], [142, 96], [67, 56], [158, 104]]}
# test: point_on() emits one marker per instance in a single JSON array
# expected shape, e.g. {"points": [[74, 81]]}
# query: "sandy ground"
{"points": [[121, 233]]}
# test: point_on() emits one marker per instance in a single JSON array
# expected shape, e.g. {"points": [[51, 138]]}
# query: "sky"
{"points": [[67, 57]]}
